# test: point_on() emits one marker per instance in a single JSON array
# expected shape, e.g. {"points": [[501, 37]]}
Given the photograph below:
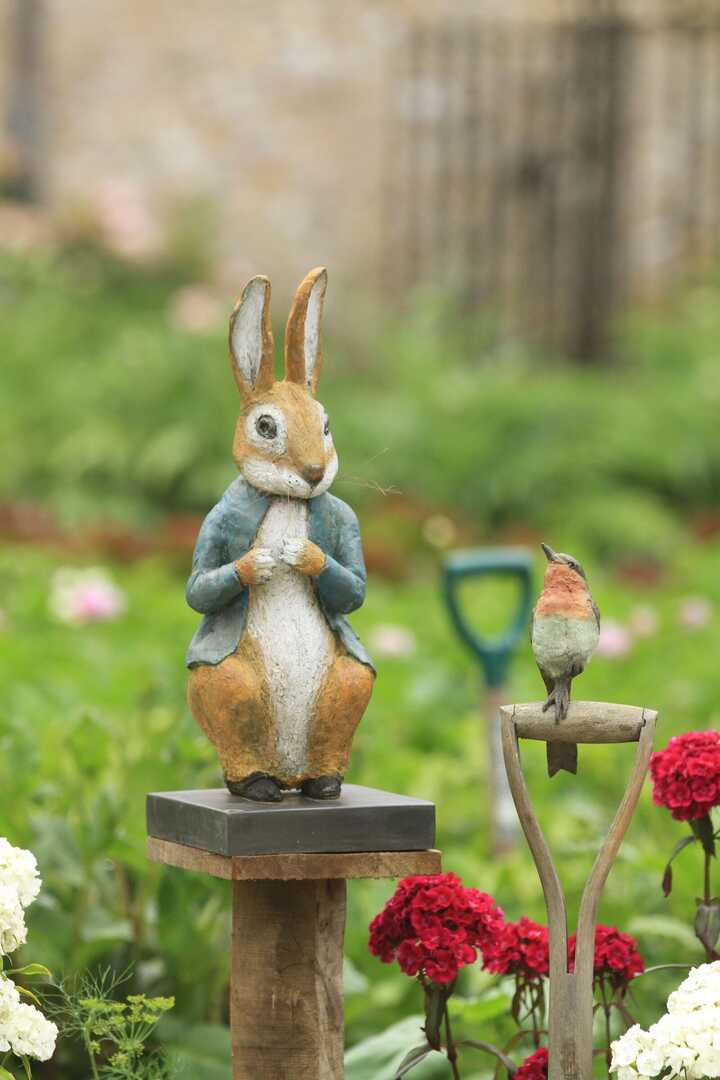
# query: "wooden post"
{"points": [[571, 993], [286, 1000]]}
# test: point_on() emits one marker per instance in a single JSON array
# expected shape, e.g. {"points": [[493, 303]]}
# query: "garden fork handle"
{"points": [[571, 993]]}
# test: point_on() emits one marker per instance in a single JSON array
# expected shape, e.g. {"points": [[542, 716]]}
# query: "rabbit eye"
{"points": [[266, 426]]}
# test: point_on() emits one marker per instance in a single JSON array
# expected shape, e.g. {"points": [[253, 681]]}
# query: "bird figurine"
{"points": [[564, 632]]}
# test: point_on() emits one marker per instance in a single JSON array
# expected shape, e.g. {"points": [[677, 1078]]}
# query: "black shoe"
{"points": [[322, 787], [257, 786]]}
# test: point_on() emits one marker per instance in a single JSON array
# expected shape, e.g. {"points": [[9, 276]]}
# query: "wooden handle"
{"points": [[586, 722]]}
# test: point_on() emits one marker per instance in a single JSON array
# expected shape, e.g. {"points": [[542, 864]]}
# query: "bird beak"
{"points": [[549, 553]]}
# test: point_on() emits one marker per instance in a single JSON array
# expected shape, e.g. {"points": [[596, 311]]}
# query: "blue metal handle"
{"points": [[493, 653]]}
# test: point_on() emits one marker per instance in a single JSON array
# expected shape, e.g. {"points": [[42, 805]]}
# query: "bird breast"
{"points": [[562, 644]]}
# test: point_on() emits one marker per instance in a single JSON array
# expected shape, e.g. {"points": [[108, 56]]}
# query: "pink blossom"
{"points": [[85, 596], [695, 612], [393, 642], [615, 640], [644, 621]]}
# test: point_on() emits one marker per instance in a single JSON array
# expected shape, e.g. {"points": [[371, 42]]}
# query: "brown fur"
{"points": [[246, 568], [306, 447], [312, 560]]}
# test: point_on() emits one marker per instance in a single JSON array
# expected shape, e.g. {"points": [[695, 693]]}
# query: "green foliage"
{"points": [[111, 410], [94, 717], [113, 1033]]}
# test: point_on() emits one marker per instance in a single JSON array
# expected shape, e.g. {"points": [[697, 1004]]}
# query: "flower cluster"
{"points": [[521, 948], [686, 775], [684, 1042], [19, 885], [534, 1067], [616, 955], [433, 926], [24, 1030]]}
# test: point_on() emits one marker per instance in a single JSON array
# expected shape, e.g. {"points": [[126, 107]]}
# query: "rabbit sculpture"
{"points": [[278, 679]]}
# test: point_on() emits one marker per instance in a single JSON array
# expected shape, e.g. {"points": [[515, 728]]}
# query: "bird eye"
{"points": [[266, 426], [326, 429]]}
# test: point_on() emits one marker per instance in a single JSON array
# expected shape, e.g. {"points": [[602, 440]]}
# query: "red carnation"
{"points": [[534, 1067], [617, 956], [686, 775], [521, 948], [433, 926]]}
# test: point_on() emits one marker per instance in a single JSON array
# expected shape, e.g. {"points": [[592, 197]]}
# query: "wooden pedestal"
{"points": [[286, 1004]]}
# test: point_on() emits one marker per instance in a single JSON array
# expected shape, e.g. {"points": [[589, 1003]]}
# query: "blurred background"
{"points": [[519, 207]]}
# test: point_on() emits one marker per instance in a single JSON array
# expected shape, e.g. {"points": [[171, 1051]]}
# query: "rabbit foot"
{"points": [[258, 786], [322, 787]]}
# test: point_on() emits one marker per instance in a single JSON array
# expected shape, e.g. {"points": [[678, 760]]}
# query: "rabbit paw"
{"points": [[256, 567], [304, 556]]}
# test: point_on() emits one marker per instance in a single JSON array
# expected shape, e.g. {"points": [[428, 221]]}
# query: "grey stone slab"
{"points": [[362, 819]]}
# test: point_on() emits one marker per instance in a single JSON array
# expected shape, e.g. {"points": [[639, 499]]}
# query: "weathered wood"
{"points": [[362, 819], [571, 993], [286, 999], [586, 722], [296, 867]]}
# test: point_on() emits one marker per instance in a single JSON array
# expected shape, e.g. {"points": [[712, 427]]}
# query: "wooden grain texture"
{"points": [[571, 993], [586, 722], [302, 867], [286, 999]]}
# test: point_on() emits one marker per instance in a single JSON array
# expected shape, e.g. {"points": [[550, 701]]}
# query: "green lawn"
{"points": [[94, 717]]}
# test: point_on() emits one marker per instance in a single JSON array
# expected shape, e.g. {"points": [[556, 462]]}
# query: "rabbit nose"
{"points": [[313, 474]]}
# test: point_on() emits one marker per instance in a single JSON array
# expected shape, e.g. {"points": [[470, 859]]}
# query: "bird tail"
{"points": [[561, 756]]}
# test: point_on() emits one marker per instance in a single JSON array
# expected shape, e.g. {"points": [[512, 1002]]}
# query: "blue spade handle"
{"points": [[494, 653]]}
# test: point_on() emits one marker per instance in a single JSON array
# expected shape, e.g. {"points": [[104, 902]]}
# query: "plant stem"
{"points": [[91, 1055], [451, 1048], [608, 1035]]}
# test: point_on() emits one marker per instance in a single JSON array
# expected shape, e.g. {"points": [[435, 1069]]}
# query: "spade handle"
{"points": [[571, 993]]}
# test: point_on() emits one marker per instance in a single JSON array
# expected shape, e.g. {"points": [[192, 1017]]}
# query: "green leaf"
{"points": [[416, 1055], [5, 1075], [707, 923], [354, 982], [668, 874], [490, 1048], [379, 1056], [31, 970], [663, 926], [197, 1050], [479, 1010], [28, 994], [703, 829]]}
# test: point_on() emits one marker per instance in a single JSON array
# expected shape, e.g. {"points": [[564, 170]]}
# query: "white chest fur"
{"points": [[296, 643]]}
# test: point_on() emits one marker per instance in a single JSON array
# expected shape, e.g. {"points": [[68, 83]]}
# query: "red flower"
{"points": [[534, 1067], [616, 955], [686, 775], [432, 925], [521, 948]]}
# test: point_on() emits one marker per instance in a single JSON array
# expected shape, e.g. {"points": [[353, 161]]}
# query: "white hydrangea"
{"points": [[23, 1028], [13, 932], [18, 869], [686, 1040]]}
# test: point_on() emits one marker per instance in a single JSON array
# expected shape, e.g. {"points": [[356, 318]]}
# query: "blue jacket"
{"points": [[228, 533]]}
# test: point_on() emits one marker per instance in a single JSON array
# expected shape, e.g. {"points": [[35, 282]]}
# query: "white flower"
{"points": [[13, 932], [84, 596], [9, 1001], [685, 1042], [30, 1033], [18, 870]]}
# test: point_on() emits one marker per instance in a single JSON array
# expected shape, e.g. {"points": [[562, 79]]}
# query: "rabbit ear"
{"points": [[303, 348], [251, 339]]}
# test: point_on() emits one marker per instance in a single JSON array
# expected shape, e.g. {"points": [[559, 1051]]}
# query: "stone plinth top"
{"points": [[361, 820]]}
